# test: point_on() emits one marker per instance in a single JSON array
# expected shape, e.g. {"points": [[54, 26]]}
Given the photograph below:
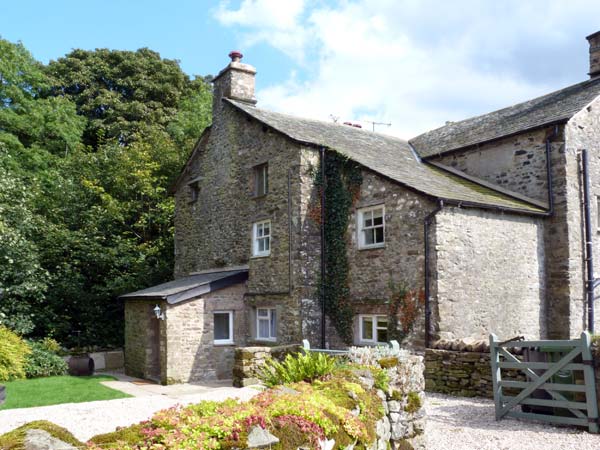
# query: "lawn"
{"points": [[56, 390]]}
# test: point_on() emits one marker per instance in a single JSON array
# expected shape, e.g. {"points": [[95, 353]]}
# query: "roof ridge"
{"points": [[324, 122]]}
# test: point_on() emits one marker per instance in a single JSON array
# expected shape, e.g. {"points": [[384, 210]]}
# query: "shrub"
{"points": [[13, 352], [305, 366], [42, 362]]}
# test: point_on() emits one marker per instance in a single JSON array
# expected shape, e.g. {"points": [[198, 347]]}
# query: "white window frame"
{"points": [[361, 228], [261, 169], [255, 238], [375, 326], [223, 341], [269, 318]]}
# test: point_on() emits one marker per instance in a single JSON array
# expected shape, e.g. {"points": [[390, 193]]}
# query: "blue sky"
{"points": [[414, 63]]}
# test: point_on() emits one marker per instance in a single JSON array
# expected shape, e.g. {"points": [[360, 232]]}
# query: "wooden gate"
{"points": [[565, 399]]}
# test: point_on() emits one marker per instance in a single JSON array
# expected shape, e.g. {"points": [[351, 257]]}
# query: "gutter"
{"points": [[426, 224]]}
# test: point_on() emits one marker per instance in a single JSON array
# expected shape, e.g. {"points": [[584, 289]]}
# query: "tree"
{"points": [[89, 146]]}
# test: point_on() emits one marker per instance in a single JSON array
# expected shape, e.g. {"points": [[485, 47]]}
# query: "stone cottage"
{"points": [[485, 217]]}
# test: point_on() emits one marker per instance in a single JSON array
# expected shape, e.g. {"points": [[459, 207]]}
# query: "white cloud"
{"points": [[273, 21], [418, 64]]}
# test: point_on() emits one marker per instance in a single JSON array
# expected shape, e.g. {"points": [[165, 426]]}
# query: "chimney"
{"points": [[236, 81], [594, 40]]}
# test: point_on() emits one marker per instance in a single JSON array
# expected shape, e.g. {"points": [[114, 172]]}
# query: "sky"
{"points": [[413, 63]]}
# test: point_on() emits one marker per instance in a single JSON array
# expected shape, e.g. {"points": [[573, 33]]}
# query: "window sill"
{"points": [[257, 197], [372, 247], [272, 340], [260, 256], [223, 343]]}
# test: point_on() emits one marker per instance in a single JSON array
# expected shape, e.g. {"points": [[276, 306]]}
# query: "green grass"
{"points": [[56, 390]]}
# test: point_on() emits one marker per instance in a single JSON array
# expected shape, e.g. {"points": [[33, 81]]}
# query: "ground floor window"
{"points": [[223, 327], [373, 329], [266, 324]]}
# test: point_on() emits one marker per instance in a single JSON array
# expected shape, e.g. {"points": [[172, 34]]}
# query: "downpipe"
{"points": [[426, 225], [589, 249]]}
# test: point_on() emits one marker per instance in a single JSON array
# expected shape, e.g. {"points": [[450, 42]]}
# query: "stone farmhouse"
{"points": [[486, 216]]}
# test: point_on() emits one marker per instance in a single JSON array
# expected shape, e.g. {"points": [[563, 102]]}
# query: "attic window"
{"points": [[194, 189], [261, 179]]}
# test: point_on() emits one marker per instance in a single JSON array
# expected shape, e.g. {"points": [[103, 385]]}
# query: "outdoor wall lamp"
{"points": [[158, 313]]}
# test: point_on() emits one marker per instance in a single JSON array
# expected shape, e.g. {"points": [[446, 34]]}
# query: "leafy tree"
{"points": [[88, 148]]}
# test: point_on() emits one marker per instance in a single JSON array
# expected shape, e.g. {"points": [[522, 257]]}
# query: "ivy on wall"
{"points": [[405, 307], [342, 188]]}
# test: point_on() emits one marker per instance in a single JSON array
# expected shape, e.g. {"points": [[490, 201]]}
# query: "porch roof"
{"points": [[191, 286]]}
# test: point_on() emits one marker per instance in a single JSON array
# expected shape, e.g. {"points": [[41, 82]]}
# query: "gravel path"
{"points": [[455, 423], [85, 420]]}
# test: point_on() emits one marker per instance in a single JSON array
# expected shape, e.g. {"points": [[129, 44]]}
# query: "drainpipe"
{"points": [[549, 170], [426, 223], [322, 287], [589, 254]]}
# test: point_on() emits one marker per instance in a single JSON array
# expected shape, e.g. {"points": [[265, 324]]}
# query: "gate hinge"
{"points": [[590, 362], [592, 420]]}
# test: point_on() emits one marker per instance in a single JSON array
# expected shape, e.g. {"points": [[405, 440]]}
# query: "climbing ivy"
{"points": [[343, 179], [405, 305]]}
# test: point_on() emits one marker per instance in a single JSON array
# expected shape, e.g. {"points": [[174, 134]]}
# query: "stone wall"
{"points": [[403, 425], [517, 163], [489, 274], [582, 132], [401, 260], [191, 352], [248, 361], [462, 373], [140, 360]]}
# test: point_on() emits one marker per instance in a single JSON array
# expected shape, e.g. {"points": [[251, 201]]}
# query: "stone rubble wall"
{"points": [[402, 426], [248, 361], [461, 368]]}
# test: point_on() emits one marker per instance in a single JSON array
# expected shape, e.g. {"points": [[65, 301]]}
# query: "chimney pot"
{"points": [[236, 56], [594, 40]]}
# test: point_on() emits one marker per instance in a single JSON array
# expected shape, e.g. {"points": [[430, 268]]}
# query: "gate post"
{"points": [[496, 375], [590, 382]]}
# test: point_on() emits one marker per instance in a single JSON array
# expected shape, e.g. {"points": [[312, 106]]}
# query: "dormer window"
{"points": [[261, 180]]}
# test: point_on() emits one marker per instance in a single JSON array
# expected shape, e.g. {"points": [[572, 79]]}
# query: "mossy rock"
{"points": [[388, 363], [413, 403], [15, 439], [128, 436]]}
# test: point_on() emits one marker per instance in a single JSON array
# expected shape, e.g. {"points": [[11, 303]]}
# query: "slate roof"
{"points": [[190, 287], [549, 109], [388, 156]]}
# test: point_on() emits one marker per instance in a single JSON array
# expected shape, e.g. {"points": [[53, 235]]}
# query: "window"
{"points": [[194, 188], [261, 180], [223, 327], [373, 329], [261, 238], [371, 225], [266, 324]]}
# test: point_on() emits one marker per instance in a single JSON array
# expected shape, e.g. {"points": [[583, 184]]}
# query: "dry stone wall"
{"points": [[464, 373]]}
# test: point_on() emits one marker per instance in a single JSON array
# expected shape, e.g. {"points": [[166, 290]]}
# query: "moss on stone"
{"points": [[414, 402], [397, 395], [388, 363], [131, 435], [404, 444], [14, 439]]}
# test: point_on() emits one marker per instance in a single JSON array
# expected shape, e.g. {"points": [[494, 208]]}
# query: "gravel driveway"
{"points": [[455, 423], [85, 420]]}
